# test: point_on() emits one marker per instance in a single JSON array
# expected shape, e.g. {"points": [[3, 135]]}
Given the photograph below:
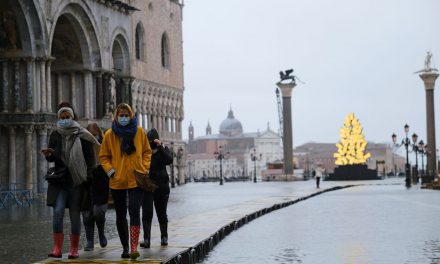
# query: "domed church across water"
{"points": [[231, 138]]}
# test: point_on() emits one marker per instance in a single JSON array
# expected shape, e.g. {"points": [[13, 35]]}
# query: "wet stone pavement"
{"points": [[188, 206]]}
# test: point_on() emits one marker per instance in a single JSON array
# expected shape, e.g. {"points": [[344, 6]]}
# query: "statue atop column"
{"points": [[286, 76], [428, 67]]}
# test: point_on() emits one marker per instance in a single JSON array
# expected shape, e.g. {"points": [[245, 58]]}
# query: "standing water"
{"points": [[359, 225]]}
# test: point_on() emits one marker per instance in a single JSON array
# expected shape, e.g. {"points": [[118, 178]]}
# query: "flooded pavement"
{"points": [[26, 232], [366, 224]]}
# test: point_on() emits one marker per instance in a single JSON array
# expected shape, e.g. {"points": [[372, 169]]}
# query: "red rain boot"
{"points": [[74, 242], [134, 239], [58, 246]]}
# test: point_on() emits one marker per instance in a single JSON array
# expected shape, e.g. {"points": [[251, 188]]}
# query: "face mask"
{"points": [[65, 122], [153, 145], [123, 121]]}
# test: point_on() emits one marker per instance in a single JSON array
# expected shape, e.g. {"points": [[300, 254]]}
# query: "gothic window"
{"points": [[165, 51], [139, 42]]}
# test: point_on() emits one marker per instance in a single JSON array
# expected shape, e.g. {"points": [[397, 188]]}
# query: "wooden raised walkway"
{"points": [[192, 237]]}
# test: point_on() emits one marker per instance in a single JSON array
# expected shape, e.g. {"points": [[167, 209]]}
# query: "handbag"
{"points": [[144, 182], [55, 174]]}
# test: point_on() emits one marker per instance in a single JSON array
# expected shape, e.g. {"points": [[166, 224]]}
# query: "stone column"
{"points": [[12, 160], [106, 88], [60, 87], [286, 91], [126, 93], [73, 89], [17, 83], [36, 84], [43, 87], [5, 85], [160, 123], [429, 81], [28, 130], [41, 160], [99, 96], [49, 86], [29, 85], [146, 123], [87, 89]]}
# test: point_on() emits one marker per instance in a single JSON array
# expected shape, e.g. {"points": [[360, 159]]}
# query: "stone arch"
{"points": [[76, 51], [120, 52], [22, 29], [84, 26]]}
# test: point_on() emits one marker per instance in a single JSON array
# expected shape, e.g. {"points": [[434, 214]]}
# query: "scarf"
{"points": [[127, 133], [72, 155]]}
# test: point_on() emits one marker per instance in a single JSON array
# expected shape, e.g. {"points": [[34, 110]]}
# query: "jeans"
{"points": [[71, 196], [134, 205]]}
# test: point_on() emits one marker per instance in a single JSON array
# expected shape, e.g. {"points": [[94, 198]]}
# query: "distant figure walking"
{"points": [[318, 174]]}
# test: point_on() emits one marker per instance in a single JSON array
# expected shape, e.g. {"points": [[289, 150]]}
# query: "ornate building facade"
{"points": [[240, 147], [94, 54]]}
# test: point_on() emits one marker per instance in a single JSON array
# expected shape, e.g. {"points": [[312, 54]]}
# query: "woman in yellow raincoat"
{"points": [[125, 148]]}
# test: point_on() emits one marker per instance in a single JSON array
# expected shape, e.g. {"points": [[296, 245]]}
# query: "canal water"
{"points": [[359, 225]]}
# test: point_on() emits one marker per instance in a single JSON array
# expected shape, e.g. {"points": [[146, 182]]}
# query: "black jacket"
{"points": [[100, 186], [159, 161], [53, 189]]}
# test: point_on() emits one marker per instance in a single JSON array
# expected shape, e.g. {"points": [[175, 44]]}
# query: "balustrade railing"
{"points": [[14, 195]]}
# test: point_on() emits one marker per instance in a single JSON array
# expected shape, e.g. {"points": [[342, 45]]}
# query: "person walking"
{"points": [[318, 174], [75, 149], [98, 187], [125, 149], [161, 157]]}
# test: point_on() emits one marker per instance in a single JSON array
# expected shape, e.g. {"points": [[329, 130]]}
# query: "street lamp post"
{"points": [[173, 183], [416, 151], [422, 151], [405, 142], [219, 155], [254, 158], [189, 167]]}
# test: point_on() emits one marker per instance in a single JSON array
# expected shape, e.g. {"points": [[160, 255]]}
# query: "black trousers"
{"points": [[160, 200], [317, 181], [134, 205]]}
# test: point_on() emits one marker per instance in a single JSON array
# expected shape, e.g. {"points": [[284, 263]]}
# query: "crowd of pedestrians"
{"points": [[89, 165]]}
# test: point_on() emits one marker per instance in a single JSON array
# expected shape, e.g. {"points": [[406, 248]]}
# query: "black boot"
{"points": [[90, 234], [147, 234], [123, 236], [163, 234], [101, 233]]}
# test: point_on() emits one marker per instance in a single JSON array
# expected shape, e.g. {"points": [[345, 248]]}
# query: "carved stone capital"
{"points": [[29, 129]]}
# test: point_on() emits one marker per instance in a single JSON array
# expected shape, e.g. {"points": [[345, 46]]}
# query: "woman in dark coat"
{"points": [[160, 158], [75, 149], [99, 190]]}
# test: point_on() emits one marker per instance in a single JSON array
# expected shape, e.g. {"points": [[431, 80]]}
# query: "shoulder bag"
{"points": [[144, 182], [55, 174]]}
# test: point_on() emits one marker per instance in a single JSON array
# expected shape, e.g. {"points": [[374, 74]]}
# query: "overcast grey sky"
{"points": [[353, 55]]}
